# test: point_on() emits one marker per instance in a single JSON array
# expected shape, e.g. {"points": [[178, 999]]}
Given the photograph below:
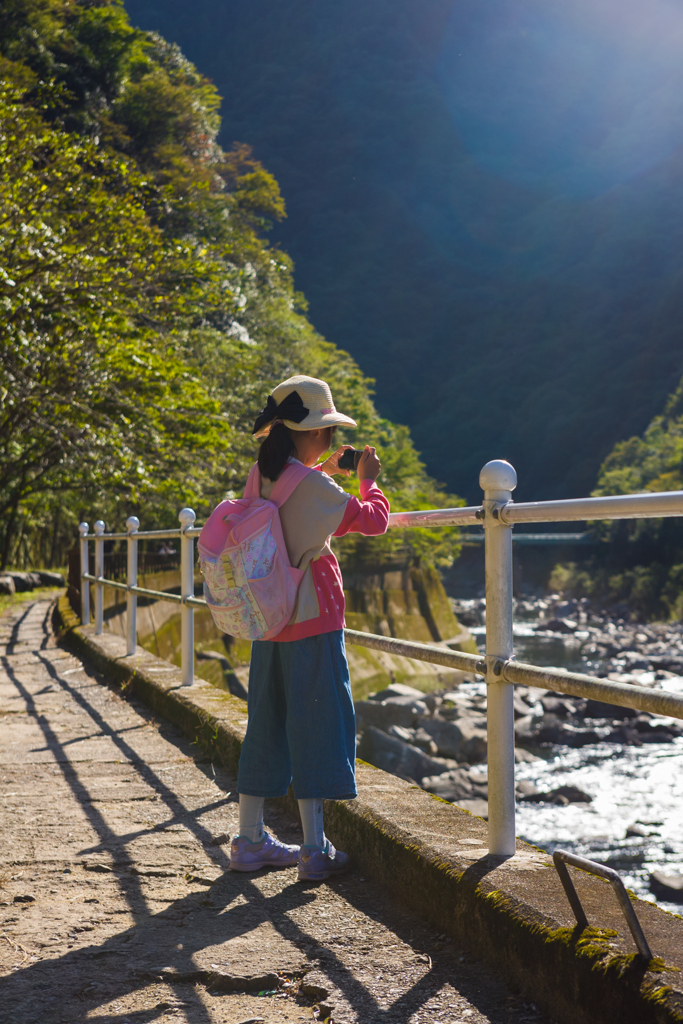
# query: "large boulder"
{"points": [[25, 581], [393, 755], [667, 887], [561, 795], [462, 740], [402, 711], [558, 626], [397, 690], [598, 709], [551, 729], [7, 585], [452, 786], [50, 579]]}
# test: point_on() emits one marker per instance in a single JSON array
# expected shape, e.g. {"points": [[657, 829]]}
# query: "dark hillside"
{"points": [[484, 208]]}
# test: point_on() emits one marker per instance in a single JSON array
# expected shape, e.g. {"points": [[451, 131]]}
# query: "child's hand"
{"points": [[369, 466], [330, 466]]}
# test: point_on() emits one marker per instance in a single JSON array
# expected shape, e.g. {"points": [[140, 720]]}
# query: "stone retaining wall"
{"points": [[512, 913]]}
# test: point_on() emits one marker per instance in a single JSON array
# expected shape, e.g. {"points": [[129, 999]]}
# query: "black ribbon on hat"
{"points": [[290, 408]]}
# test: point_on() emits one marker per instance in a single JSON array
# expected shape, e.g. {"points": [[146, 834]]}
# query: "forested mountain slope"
{"points": [[145, 315], [484, 207]]}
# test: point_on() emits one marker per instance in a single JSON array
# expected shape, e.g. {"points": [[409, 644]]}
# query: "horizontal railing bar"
{"points": [[161, 595], [105, 581], [421, 652], [197, 602], [138, 534], [658, 702], [583, 539], [617, 506], [470, 516]]}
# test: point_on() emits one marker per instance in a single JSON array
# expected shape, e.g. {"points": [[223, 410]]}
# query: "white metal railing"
{"points": [[497, 514]]}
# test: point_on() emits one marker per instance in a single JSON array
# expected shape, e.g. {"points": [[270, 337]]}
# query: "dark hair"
{"points": [[274, 451], [277, 448]]}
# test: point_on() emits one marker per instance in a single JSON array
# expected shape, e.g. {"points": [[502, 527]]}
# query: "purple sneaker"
{"points": [[269, 853], [316, 865]]}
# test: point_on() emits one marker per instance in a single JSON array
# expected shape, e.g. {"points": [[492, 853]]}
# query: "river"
{"points": [[630, 785]]}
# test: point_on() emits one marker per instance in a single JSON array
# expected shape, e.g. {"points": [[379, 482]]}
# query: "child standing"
{"points": [[301, 718]]}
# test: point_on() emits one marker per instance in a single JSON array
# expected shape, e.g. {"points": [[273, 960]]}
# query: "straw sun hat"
{"points": [[301, 403]]}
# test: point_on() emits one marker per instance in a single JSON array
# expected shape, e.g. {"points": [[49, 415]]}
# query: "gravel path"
{"points": [[116, 899]]}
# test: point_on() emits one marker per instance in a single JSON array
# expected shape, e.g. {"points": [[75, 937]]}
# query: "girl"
{"points": [[301, 718]]}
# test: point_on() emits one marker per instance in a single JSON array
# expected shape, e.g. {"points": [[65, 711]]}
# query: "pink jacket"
{"points": [[369, 516]]}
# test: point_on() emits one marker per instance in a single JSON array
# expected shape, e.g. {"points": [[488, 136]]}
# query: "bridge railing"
{"points": [[497, 514]]}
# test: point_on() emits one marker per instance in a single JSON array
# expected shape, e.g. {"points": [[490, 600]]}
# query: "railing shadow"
{"points": [[218, 924]]}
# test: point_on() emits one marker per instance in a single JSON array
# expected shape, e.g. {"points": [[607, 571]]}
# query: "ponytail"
{"points": [[275, 449]]}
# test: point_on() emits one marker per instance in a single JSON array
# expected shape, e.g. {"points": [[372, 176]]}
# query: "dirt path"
{"points": [[116, 901]]}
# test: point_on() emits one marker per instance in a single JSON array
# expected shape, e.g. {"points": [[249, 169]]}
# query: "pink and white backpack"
{"points": [[250, 587]]}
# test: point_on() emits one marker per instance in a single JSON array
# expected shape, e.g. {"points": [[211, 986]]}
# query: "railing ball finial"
{"points": [[99, 527], [132, 524], [83, 529], [498, 475], [187, 517]]}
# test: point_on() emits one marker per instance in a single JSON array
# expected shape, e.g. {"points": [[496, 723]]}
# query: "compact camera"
{"points": [[350, 458]]}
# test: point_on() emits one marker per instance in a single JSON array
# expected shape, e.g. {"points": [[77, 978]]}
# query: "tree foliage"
{"points": [[145, 315]]}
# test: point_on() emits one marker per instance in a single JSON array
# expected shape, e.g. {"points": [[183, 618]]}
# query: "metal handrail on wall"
{"points": [[497, 514]]}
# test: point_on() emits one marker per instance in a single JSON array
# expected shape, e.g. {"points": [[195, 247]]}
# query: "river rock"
{"points": [[526, 729], [50, 579], [399, 693], [651, 731], [451, 786], [523, 756], [559, 706], [558, 626], [401, 733], [669, 663], [424, 741], [457, 785], [667, 887], [525, 790], [561, 795], [393, 755], [7, 585], [636, 831], [521, 708], [462, 740], [551, 729], [397, 690], [598, 709], [382, 714], [25, 581], [418, 738]]}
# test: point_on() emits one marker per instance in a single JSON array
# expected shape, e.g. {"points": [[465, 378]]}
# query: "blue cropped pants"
{"points": [[302, 725]]}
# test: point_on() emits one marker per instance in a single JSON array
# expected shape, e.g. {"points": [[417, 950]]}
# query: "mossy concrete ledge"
{"points": [[512, 913]]}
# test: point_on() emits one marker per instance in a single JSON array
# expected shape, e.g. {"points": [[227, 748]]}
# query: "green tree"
{"points": [[94, 392], [147, 315]]}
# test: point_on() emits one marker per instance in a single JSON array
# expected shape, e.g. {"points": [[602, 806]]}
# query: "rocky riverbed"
{"points": [[598, 779]]}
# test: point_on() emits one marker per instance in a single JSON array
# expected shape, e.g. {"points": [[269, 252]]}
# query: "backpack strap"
{"points": [[287, 482], [253, 485], [289, 479]]}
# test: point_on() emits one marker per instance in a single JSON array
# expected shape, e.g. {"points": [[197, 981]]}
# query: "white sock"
{"points": [[251, 818], [311, 812]]}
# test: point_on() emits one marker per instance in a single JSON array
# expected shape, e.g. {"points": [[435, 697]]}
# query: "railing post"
{"points": [[85, 567], [187, 518], [99, 571], [498, 480], [132, 525]]}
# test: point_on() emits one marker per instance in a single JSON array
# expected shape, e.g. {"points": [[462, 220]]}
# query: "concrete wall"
{"points": [[409, 603]]}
